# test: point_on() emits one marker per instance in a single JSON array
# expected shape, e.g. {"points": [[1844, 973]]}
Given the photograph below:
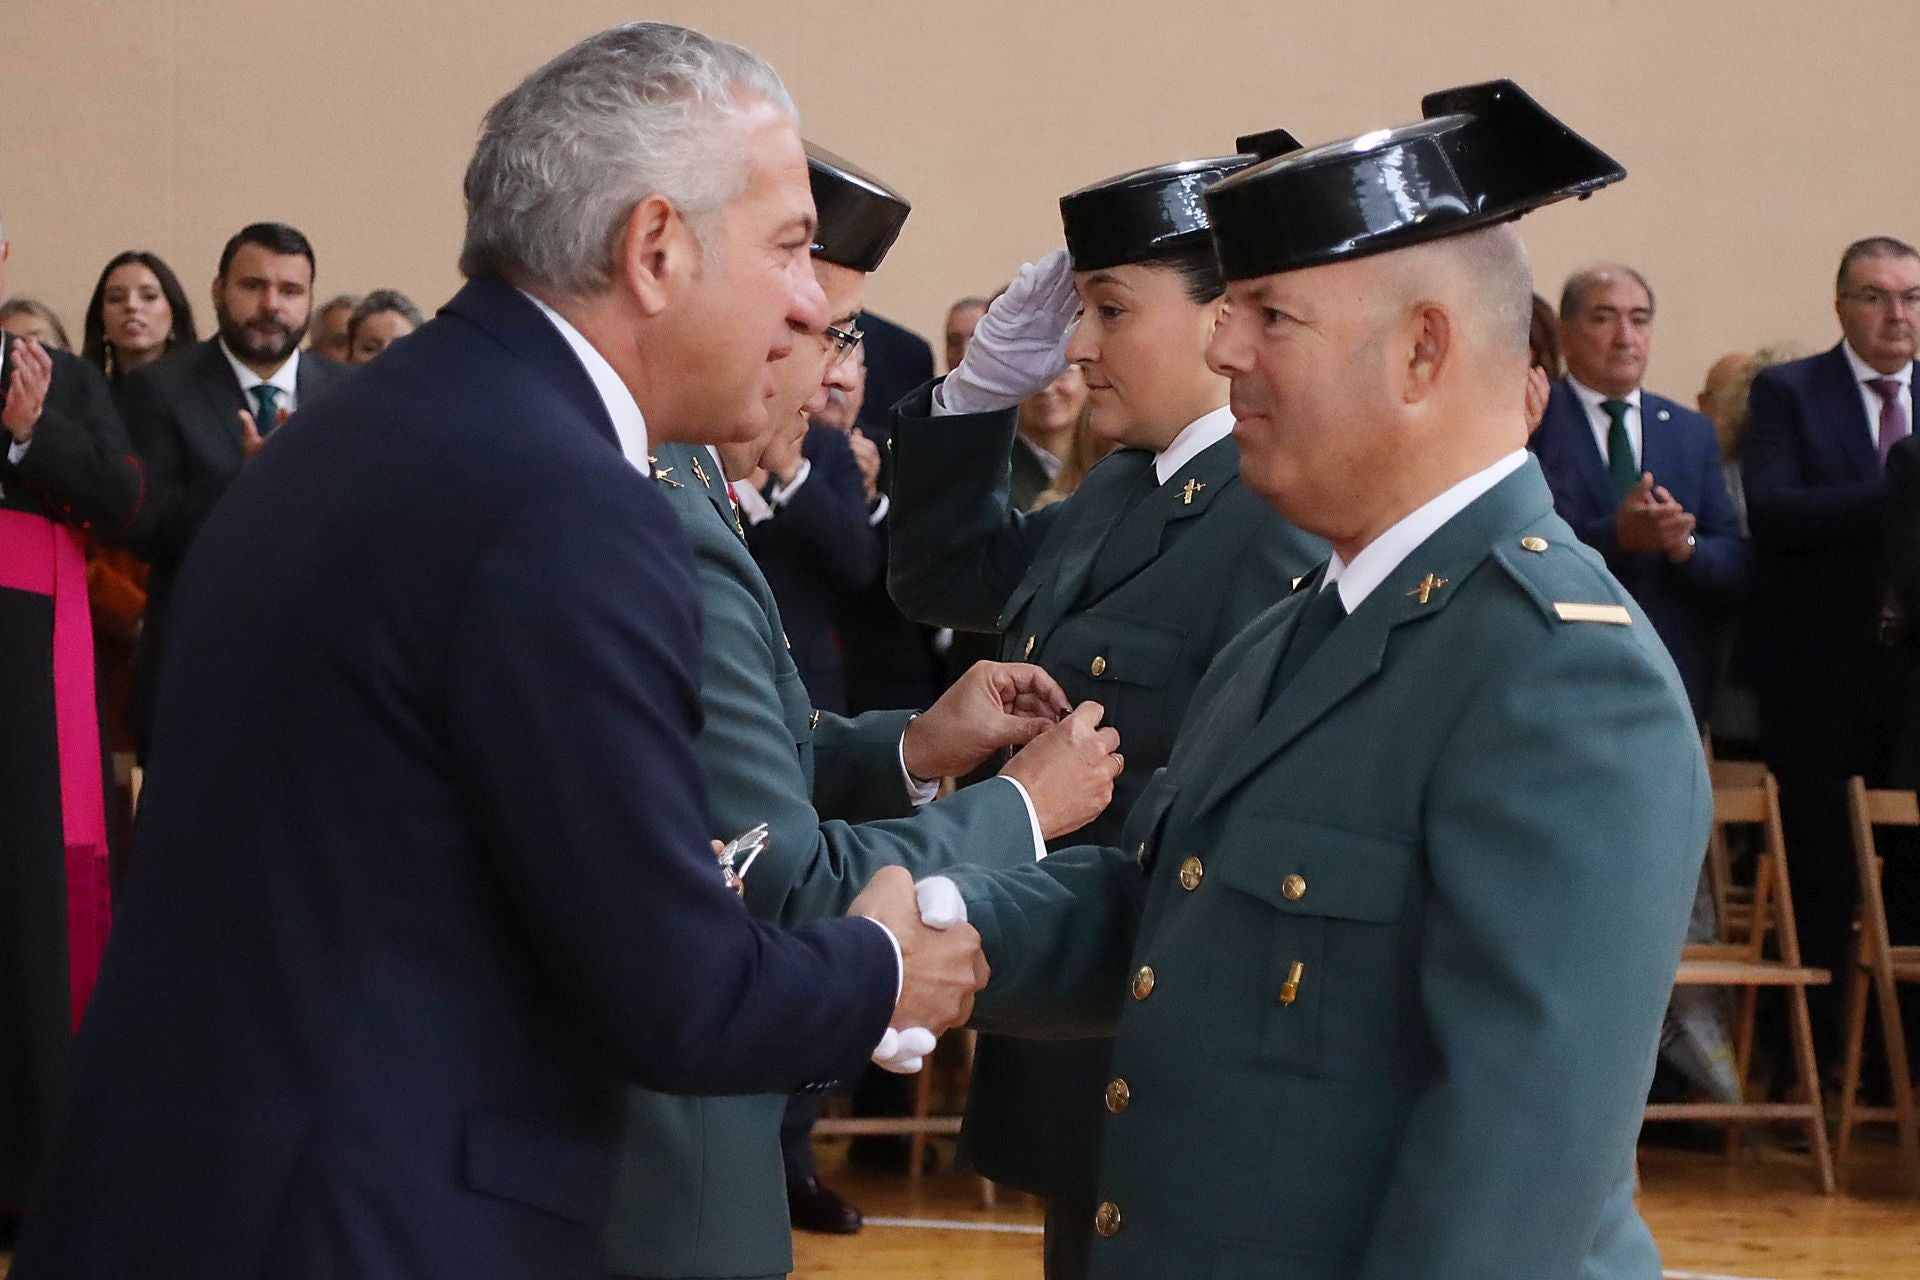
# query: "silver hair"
{"points": [[1493, 263], [638, 110], [1573, 295]]}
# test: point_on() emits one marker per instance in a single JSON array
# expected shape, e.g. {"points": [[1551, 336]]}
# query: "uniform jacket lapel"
{"points": [[1355, 652], [1136, 537], [1090, 527]]}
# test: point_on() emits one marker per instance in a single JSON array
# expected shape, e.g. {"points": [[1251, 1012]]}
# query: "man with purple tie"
{"points": [[1824, 652], [1638, 475]]}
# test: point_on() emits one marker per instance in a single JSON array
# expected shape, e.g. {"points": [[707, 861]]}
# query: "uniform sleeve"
{"points": [[1057, 935], [573, 693], [957, 550], [1565, 833]]}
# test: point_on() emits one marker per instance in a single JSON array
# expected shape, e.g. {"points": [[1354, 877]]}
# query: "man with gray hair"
{"points": [[331, 319], [423, 875]]}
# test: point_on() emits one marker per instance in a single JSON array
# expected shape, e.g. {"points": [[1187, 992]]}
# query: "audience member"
{"points": [[66, 468], [330, 325], [1638, 475], [962, 318], [137, 314], [197, 416], [1084, 448], [28, 318], [1047, 423], [1543, 339], [382, 318], [1828, 663]]}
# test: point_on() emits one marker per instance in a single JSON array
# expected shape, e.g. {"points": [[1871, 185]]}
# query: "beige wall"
{"points": [[1760, 137]]}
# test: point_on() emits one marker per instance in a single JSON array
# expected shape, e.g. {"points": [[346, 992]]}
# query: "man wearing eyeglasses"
{"points": [[1826, 655]]}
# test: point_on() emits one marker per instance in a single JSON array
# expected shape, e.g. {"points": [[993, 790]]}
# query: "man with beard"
{"points": [[199, 415]]}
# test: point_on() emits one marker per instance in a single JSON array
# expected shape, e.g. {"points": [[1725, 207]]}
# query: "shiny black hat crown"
{"points": [[1148, 213], [1484, 153], [860, 216]]}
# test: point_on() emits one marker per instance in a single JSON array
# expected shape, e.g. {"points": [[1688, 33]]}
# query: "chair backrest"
{"points": [[1870, 809], [1745, 794]]}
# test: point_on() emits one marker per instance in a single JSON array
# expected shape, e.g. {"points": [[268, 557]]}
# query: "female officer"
{"points": [[1123, 592]]}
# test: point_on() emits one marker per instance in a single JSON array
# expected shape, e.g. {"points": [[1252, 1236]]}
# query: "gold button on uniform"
{"points": [[1143, 982], [1190, 874], [1293, 888], [1119, 1096], [1099, 667], [1535, 545], [1106, 1219]]}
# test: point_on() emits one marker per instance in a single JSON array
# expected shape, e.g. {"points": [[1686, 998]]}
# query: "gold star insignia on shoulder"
{"points": [[1188, 490], [1428, 585], [700, 473], [663, 474]]}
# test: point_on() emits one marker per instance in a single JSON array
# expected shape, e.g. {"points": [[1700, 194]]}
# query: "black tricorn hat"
{"points": [[860, 216], [1484, 153], [1142, 215]]}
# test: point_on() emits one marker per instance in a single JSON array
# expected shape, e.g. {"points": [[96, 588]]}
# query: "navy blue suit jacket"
{"points": [[818, 552], [421, 876], [1687, 603], [1814, 487]]}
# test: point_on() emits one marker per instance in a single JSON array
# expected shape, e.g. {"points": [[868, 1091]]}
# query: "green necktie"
{"points": [[266, 400], [1323, 613], [1621, 464]]}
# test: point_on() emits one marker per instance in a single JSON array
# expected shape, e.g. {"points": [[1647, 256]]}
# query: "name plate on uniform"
{"points": [[1616, 614]]}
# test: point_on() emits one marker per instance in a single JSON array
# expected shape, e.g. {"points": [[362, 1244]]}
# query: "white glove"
{"points": [[1021, 343], [941, 907], [904, 1052]]}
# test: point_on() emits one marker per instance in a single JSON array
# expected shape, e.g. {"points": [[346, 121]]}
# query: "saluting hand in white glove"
{"points": [[1021, 343]]}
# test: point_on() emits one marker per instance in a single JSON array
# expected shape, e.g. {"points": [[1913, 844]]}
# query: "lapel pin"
{"points": [[1188, 490], [1663, 415], [663, 474], [700, 474], [1428, 585]]}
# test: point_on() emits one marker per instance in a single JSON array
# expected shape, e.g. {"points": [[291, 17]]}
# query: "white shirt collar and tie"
{"points": [[285, 383], [1194, 439], [1870, 398], [1601, 424], [1379, 558]]}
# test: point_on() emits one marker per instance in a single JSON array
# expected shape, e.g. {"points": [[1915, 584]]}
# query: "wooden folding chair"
{"points": [[1746, 795], [1883, 967]]}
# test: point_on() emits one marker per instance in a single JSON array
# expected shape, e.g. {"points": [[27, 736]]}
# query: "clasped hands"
{"points": [[1650, 519]]}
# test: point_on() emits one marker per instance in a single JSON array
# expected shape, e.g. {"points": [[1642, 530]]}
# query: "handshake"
{"points": [[941, 963]]}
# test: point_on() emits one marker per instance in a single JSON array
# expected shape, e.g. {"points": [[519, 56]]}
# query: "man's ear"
{"points": [[658, 253], [1433, 338]]}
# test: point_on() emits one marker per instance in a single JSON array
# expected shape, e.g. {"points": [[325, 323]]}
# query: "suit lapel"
{"points": [[1135, 538], [1843, 404], [1569, 420], [1656, 440], [1356, 650], [512, 320], [219, 427], [1098, 506]]}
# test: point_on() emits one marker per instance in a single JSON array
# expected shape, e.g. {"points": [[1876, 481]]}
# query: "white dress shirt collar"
{"points": [[1870, 400], [1602, 426], [285, 379], [1385, 553], [1194, 439], [1864, 372], [628, 424]]}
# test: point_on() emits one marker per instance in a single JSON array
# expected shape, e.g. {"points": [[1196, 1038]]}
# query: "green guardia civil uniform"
{"points": [[702, 1190], [1123, 592], [1387, 946]]}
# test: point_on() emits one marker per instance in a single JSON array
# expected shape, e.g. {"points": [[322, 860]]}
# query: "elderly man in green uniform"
{"points": [[1389, 939], [702, 1192], [1124, 592]]}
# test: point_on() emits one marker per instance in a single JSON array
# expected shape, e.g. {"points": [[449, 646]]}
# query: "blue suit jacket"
{"points": [[818, 552], [421, 877], [1814, 487], [1686, 603]]}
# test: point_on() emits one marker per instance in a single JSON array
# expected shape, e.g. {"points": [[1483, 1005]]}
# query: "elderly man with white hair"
{"points": [[423, 877]]}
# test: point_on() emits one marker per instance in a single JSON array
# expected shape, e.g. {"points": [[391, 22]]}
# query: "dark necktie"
{"points": [[1621, 464], [1893, 415], [1323, 613], [266, 416]]}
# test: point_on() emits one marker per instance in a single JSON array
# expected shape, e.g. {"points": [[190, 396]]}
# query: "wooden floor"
{"points": [[1755, 1218]]}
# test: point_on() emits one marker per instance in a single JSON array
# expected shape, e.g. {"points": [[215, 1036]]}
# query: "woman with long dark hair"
{"points": [[137, 314]]}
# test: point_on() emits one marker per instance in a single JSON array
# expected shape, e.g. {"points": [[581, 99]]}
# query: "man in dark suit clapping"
{"points": [[199, 415], [1825, 658], [423, 878]]}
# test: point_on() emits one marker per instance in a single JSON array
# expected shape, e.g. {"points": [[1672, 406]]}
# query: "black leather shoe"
{"points": [[815, 1208]]}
